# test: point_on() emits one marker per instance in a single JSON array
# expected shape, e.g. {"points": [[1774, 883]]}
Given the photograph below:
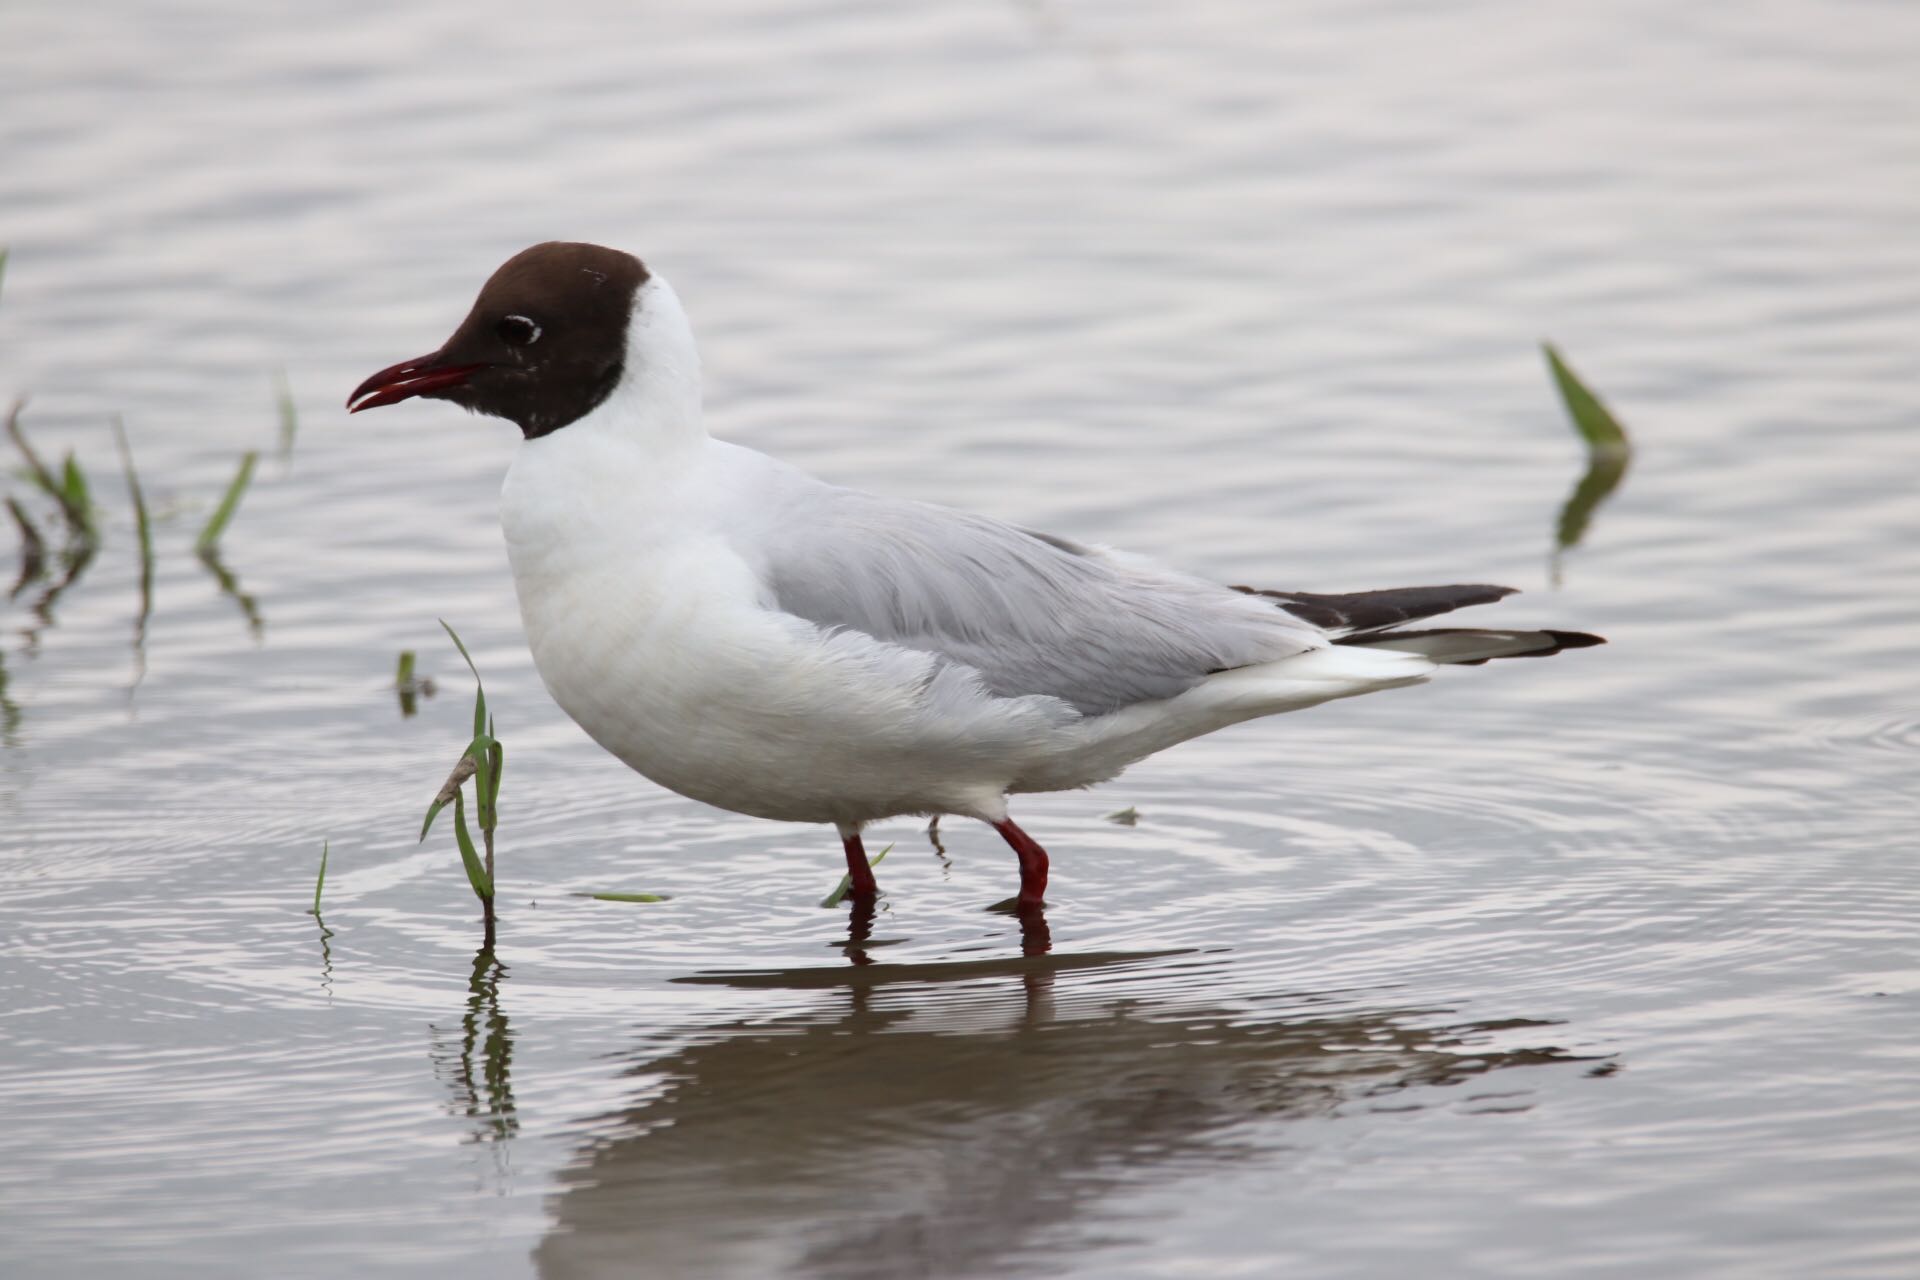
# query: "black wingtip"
{"points": [[1359, 612], [1534, 644], [1574, 640], [1562, 641]]}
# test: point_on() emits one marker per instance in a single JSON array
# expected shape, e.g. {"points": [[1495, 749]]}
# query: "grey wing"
{"points": [[1032, 614]]}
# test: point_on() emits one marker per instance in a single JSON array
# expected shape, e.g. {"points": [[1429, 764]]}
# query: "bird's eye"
{"points": [[517, 331]]}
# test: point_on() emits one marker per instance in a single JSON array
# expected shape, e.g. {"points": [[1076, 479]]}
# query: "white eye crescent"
{"points": [[517, 331]]}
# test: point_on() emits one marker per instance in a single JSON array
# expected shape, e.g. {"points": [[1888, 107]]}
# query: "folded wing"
{"points": [[1032, 614]]}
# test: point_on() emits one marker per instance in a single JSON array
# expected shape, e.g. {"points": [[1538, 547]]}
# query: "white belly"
{"points": [[671, 664]]}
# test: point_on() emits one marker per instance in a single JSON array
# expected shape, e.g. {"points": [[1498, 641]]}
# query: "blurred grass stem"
{"points": [[289, 414], [144, 527]]}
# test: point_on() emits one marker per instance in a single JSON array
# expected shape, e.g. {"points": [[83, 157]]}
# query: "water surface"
{"points": [[1601, 966]]}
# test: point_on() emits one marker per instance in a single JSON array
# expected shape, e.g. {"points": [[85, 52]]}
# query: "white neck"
{"points": [[601, 480], [657, 401]]}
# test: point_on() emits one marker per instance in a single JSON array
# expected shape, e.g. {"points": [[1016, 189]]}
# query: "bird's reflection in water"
{"points": [[1036, 939], [859, 940], [945, 1119]]}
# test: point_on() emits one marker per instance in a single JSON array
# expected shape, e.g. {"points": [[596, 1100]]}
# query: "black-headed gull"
{"points": [[763, 641]]}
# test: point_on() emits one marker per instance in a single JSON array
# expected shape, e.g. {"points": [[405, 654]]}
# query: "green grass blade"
{"points": [[79, 518], [463, 652], [406, 687], [469, 856], [321, 880], [624, 897], [479, 690], [289, 415], [76, 496], [3, 265], [482, 758], [35, 468], [1592, 419], [229, 503], [482, 761], [846, 880]]}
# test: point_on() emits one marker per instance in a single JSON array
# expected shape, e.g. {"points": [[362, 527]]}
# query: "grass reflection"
{"points": [[33, 549], [326, 957], [74, 559], [476, 1063], [229, 586], [9, 710]]}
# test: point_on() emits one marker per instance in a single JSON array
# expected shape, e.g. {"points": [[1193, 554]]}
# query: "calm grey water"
{"points": [[1603, 966]]}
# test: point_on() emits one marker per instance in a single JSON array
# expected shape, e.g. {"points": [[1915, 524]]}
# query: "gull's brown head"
{"points": [[545, 343]]}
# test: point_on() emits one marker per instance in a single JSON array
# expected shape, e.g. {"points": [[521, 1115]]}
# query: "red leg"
{"points": [[1033, 863], [864, 887]]}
